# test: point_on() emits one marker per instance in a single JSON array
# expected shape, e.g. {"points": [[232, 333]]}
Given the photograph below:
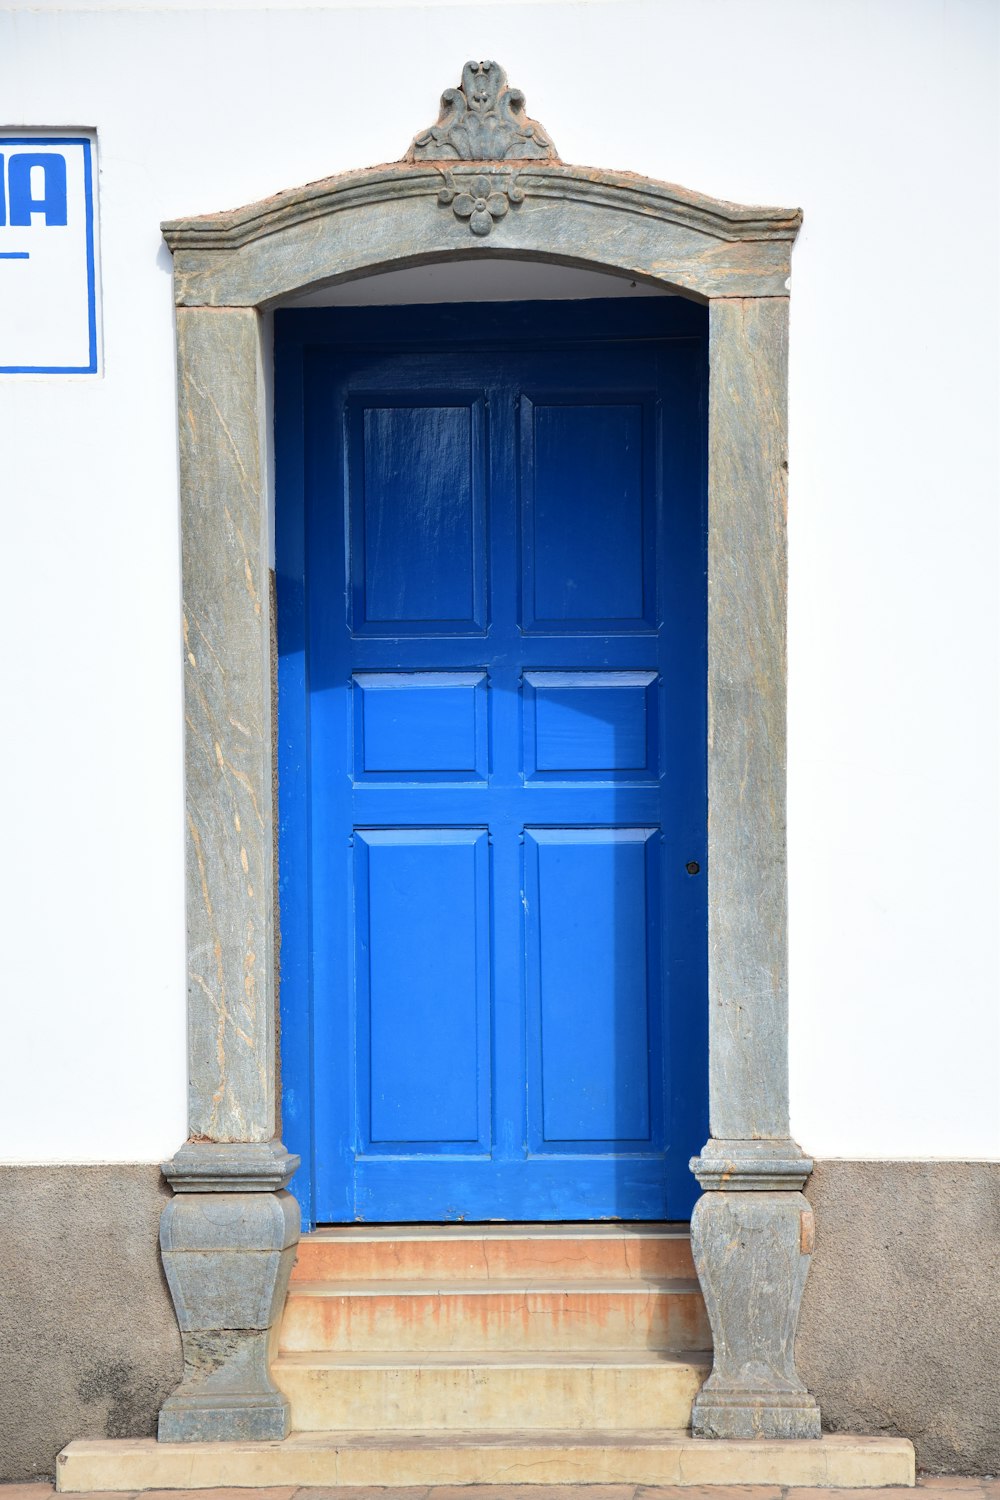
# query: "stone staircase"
{"points": [[477, 1331], [462, 1355]]}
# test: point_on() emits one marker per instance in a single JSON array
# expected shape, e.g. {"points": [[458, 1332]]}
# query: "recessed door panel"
{"points": [[593, 985], [589, 516], [420, 726], [595, 726], [417, 514], [423, 986]]}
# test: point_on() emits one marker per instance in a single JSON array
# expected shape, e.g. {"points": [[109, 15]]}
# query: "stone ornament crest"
{"points": [[483, 120]]}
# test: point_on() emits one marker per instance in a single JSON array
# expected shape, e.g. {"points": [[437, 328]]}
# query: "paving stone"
{"points": [[804, 1493], [364, 1492], [938, 1482], [530, 1492], [714, 1492], [285, 1492], [46, 1491]]}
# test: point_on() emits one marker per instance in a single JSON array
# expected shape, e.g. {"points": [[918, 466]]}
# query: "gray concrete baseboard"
{"points": [[900, 1320], [899, 1326], [87, 1328]]}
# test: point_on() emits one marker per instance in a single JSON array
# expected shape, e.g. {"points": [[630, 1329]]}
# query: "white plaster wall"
{"points": [[879, 117]]}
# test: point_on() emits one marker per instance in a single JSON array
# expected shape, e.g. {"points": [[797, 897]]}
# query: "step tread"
{"points": [[422, 1457], [526, 1286], [591, 1437], [452, 1359], [366, 1232], [544, 1437], [405, 1437]]}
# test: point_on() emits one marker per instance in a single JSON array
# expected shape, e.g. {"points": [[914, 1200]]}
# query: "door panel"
{"points": [[491, 557], [420, 725], [423, 986], [417, 518], [593, 968], [592, 726], [589, 554]]}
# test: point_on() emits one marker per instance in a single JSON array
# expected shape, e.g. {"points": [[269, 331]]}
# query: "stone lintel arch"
{"points": [[364, 222], [752, 1230]]}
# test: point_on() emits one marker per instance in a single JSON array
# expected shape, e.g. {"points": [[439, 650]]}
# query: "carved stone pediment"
{"points": [[483, 120]]}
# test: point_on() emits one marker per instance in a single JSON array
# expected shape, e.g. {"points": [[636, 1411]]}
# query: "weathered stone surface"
{"points": [[610, 1393], [89, 1338], [317, 200], [229, 1222], [482, 201], [747, 922], [751, 1166], [221, 1253], [751, 1243], [228, 1237], [494, 1252], [227, 633], [227, 1394], [230, 1167], [752, 1253], [900, 1322], [370, 221], [482, 120], [227, 1257], [418, 1458]]}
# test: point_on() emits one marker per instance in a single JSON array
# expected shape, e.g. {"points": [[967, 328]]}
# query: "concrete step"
{"points": [[495, 1252], [505, 1315], [367, 1458], [490, 1393]]}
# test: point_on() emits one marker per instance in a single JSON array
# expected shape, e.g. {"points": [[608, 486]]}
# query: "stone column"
{"points": [[228, 1236], [752, 1230]]}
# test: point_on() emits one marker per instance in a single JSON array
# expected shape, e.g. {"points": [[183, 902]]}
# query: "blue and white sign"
{"points": [[48, 255]]}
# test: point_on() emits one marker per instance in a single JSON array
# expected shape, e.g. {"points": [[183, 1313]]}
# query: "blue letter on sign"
{"points": [[52, 204]]}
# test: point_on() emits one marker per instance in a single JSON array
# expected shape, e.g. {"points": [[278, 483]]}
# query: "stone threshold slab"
{"points": [[421, 1458], [562, 1286], [626, 1229]]}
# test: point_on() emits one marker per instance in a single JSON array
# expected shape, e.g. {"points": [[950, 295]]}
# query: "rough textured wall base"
{"points": [[88, 1332], [898, 1332], [900, 1321]]}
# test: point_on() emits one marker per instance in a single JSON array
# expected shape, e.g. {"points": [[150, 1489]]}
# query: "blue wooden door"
{"points": [[491, 582]]}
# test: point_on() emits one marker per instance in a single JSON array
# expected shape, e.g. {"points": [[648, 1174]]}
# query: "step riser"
{"points": [[490, 1399], [498, 1320], [337, 1459], [322, 1258]]}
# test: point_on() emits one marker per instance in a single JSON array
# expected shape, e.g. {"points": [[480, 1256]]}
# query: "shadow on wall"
{"points": [[90, 1340]]}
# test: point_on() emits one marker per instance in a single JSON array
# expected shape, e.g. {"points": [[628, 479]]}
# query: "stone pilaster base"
{"points": [[751, 1248], [216, 1416], [227, 1258]]}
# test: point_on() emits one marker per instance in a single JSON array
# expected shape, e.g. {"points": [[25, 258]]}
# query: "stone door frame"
{"points": [[751, 1227]]}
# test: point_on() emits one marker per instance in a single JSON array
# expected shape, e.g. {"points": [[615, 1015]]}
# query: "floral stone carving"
{"points": [[483, 120], [486, 199]]}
